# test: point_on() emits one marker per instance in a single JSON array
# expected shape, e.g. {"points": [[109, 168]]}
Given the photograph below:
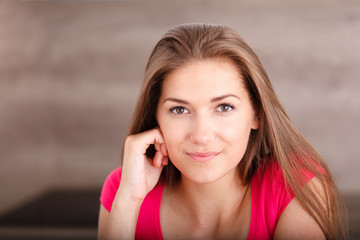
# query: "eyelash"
{"points": [[174, 109]]}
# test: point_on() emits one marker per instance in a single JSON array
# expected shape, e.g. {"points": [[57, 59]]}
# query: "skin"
{"points": [[205, 118], [204, 108]]}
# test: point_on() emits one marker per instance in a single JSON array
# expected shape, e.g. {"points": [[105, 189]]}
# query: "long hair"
{"points": [[276, 139]]}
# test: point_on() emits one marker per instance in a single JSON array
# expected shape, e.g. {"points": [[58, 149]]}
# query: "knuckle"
{"points": [[130, 140]]}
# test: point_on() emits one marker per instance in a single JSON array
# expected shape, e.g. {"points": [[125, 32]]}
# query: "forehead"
{"points": [[202, 78]]}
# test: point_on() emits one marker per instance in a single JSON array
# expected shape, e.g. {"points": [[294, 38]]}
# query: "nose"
{"points": [[202, 131]]}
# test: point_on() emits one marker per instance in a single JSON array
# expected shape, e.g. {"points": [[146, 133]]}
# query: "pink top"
{"points": [[269, 199]]}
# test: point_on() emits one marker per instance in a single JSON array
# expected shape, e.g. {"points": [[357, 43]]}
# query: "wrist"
{"points": [[124, 212], [125, 195]]}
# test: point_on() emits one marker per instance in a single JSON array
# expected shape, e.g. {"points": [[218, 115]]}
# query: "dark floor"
{"points": [[59, 214], [353, 206], [72, 214]]}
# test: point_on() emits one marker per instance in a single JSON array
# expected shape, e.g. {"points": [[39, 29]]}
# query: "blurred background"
{"points": [[70, 72]]}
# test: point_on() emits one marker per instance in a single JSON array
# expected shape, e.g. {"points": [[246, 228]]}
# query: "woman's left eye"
{"points": [[224, 108]]}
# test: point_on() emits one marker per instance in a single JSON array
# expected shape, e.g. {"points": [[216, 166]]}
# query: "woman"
{"points": [[211, 153]]}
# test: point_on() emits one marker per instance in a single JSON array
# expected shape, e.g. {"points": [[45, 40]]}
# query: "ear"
{"points": [[256, 122]]}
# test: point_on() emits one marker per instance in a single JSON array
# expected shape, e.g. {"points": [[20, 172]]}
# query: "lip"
{"points": [[202, 156]]}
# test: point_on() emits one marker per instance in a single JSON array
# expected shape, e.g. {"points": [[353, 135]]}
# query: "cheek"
{"points": [[237, 131], [174, 134], [235, 135]]}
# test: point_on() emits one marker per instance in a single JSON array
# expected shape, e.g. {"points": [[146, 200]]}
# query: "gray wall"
{"points": [[70, 74]]}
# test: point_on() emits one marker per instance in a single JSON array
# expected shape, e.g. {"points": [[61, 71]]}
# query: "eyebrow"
{"points": [[215, 99]]}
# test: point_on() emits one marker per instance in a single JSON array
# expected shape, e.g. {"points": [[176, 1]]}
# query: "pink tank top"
{"points": [[269, 199]]}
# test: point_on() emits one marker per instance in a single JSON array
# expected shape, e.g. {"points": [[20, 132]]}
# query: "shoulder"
{"points": [[272, 196], [110, 188], [296, 222], [111, 185], [282, 216]]}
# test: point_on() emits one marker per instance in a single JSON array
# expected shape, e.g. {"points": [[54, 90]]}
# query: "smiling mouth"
{"points": [[202, 156]]}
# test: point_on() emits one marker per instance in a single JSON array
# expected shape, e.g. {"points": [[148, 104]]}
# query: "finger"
{"points": [[163, 149], [153, 136], [157, 161], [157, 146], [140, 142]]}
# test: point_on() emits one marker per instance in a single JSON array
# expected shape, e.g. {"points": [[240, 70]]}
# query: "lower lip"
{"points": [[202, 157]]}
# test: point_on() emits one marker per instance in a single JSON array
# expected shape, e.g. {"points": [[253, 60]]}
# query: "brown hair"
{"points": [[276, 139]]}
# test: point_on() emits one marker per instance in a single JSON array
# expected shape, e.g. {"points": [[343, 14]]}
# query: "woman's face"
{"points": [[206, 116]]}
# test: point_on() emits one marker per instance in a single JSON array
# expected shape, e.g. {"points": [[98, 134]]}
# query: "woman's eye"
{"points": [[179, 110], [224, 108]]}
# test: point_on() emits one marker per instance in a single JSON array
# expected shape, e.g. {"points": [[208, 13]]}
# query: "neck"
{"points": [[210, 204]]}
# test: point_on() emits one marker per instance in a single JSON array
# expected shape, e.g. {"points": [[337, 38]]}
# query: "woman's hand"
{"points": [[139, 176], [140, 173]]}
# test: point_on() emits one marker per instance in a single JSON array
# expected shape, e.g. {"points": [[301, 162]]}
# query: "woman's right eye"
{"points": [[179, 110]]}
